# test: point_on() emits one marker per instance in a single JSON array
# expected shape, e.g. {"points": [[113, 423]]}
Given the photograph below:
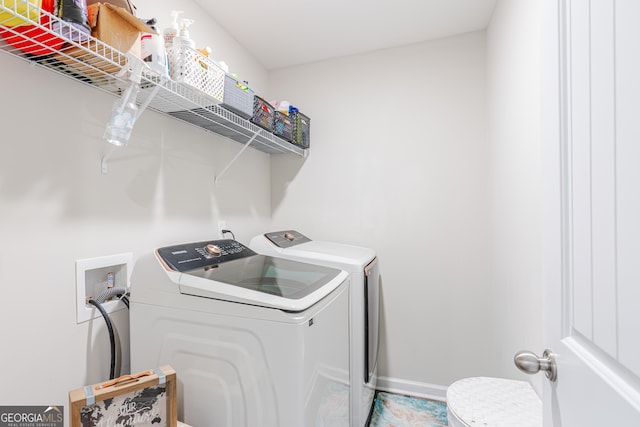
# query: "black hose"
{"points": [[233, 236], [112, 339]]}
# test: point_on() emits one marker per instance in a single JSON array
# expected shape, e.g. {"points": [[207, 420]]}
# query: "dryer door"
{"points": [[371, 318]]}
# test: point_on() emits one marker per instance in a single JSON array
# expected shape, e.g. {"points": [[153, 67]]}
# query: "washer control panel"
{"points": [[190, 256], [286, 238]]}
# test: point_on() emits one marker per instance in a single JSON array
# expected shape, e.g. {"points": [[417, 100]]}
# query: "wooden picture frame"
{"points": [[145, 399]]}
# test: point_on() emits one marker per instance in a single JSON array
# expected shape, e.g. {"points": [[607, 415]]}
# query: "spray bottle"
{"points": [[125, 110], [172, 30], [153, 51], [183, 39]]}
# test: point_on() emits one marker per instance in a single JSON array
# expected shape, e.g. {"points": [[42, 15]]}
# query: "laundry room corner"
{"points": [[400, 143]]}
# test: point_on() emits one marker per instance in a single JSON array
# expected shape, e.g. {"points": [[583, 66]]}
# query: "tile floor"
{"points": [[393, 410]]}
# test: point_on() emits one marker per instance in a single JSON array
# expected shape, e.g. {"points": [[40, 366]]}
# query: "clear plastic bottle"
{"points": [[123, 116]]}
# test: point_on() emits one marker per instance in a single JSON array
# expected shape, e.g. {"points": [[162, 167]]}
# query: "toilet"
{"points": [[493, 402]]}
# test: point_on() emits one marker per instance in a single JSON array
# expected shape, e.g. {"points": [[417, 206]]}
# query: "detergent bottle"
{"points": [[153, 51]]}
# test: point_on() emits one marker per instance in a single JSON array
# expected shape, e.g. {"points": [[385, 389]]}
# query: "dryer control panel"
{"points": [[190, 256], [286, 238]]}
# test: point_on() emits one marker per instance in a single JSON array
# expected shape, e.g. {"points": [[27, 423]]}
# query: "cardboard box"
{"points": [[114, 26], [125, 4], [146, 399], [118, 28]]}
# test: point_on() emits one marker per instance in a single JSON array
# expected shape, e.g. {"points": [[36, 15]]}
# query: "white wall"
{"points": [[57, 207], [513, 64], [399, 162]]}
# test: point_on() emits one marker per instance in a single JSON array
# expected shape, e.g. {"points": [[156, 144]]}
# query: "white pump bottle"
{"points": [[172, 30], [183, 39]]}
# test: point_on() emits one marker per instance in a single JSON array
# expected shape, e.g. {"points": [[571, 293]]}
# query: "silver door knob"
{"points": [[529, 363]]}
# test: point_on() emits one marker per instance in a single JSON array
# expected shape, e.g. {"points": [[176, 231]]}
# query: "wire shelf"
{"points": [[37, 36]]}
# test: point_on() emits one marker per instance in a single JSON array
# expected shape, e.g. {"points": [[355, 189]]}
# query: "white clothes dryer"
{"points": [[364, 306], [255, 340]]}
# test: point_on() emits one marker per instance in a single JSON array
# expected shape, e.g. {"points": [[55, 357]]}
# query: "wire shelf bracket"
{"points": [[236, 157]]}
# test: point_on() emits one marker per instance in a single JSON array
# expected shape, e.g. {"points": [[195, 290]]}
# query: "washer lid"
{"points": [[300, 248], [264, 281]]}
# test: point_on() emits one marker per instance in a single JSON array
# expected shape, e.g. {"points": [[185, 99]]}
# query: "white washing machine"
{"points": [[362, 265], [255, 340]]}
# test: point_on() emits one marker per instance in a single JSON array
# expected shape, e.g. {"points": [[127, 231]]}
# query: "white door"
{"points": [[591, 152]]}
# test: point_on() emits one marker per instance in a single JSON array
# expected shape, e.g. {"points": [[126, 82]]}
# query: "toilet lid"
{"points": [[495, 402]]}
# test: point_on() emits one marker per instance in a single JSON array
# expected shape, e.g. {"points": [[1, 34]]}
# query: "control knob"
{"points": [[289, 236], [213, 249]]}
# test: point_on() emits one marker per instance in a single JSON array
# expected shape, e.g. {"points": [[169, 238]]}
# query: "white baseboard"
{"points": [[412, 388]]}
